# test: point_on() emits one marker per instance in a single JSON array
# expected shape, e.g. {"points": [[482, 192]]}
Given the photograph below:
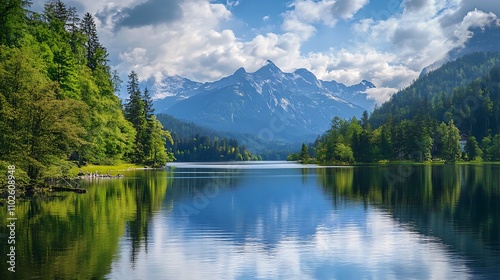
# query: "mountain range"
{"points": [[269, 103]]}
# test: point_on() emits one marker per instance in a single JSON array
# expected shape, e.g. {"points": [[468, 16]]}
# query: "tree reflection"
{"points": [[459, 204], [69, 235]]}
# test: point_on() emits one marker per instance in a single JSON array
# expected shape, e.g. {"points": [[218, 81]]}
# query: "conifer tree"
{"points": [[304, 154], [134, 112], [450, 138], [96, 54], [472, 148], [13, 21]]}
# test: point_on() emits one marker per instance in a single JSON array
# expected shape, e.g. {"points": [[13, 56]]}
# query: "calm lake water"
{"points": [[269, 220]]}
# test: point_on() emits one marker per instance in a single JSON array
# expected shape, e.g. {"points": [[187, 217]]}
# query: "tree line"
{"points": [[192, 142], [418, 125], [58, 105]]}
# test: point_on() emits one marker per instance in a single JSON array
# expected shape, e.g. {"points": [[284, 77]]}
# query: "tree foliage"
{"points": [[427, 120], [150, 139], [57, 101]]}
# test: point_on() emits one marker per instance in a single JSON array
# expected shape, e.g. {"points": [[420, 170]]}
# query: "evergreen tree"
{"points": [[385, 143], [304, 154], [450, 138], [134, 112], [96, 54], [13, 21], [486, 147], [116, 81], [148, 104], [472, 148], [56, 14], [494, 150]]}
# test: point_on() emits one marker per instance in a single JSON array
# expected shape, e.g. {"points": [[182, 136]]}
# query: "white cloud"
{"points": [[381, 94], [304, 13], [472, 19], [346, 9], [413, 39], [376, 246], [200, 44]]}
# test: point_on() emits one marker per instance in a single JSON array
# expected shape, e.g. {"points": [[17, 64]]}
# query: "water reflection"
{"points": [[67, 235], [268, 222], [457, 204]]}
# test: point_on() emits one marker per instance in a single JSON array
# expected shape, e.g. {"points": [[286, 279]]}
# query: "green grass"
{"points": [[105, 169]]}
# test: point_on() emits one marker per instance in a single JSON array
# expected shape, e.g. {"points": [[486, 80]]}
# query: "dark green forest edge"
{"points": [[58, 102], [451, 114], [196, 143]]}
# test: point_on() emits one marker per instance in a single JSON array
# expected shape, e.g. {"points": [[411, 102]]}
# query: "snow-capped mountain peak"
{"points": [[298, 103]]}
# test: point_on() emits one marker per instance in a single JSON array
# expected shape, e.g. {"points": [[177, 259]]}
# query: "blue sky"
{"points": [[385, 42]]}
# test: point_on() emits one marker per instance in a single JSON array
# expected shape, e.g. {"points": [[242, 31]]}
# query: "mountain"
{"points": [[485, 39], [466, 90], [172, 89], [267, 150], [355, 94], [268, 103]]}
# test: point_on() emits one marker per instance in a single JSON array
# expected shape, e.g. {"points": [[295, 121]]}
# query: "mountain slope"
{"points": [[268, 150], [486, 39], [268, 103], [429, 91]]}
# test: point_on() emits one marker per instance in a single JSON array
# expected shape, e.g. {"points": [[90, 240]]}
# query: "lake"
{"points": [[266, 220]]}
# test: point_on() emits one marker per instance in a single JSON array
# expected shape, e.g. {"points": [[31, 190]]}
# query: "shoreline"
{"points": [[67, 184]]}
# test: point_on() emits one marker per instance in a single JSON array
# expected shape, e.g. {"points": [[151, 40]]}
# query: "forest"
{"points": [[195, 143], [58, 106], [443, 116]]}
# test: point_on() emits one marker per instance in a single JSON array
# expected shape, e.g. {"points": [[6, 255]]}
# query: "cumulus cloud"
{"points": [[194, 38], [473, 19], [461, 8], [415, 39]]}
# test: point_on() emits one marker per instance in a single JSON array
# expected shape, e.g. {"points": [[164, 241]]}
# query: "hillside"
{"points": [[449, 114], [182, 131], [58, 105], [427, 94]]}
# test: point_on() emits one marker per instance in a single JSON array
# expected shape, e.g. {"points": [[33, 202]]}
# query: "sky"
{"points": [[385, 42]]}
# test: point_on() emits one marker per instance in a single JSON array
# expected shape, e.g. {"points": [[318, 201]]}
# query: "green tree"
{"points": [[385, 143], [344, 153], [304, 154], [96, 54], [472, 148], [13, 21], [148, 104], [494, 149], [40, 130], [486, 147], [134, 112], [158, 155], [450, 138]]}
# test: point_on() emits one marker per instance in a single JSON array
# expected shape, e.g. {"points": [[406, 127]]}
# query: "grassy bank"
{"points": [[112, 170], [25, 189]]}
